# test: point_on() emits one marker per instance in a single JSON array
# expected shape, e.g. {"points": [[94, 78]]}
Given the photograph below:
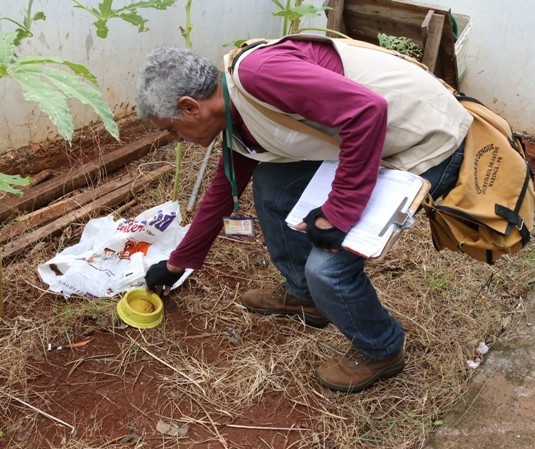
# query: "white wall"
{"points": [[501, 59], [68, 33], [501, 64]]}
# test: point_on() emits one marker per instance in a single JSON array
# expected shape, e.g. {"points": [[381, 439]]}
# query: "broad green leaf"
{"points": [[73, 87], [309, 11], [298, 12], [7, 181], [50, 101], [7, 48], [79, 69]]}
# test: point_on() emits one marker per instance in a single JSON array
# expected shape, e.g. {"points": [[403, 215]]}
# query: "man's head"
{"points": [[176, 88]]}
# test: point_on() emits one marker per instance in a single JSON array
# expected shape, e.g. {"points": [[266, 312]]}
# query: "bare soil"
{"points": [[192, 372]]}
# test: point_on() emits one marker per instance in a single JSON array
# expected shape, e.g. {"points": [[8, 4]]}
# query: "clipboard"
{"points": [[404, 220], [385, 215]]}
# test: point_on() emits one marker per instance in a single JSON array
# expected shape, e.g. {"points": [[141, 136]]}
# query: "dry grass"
{"points": [[225, 362]]}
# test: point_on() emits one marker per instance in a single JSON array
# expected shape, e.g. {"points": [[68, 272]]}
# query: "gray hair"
{"points": [[171, 73]]}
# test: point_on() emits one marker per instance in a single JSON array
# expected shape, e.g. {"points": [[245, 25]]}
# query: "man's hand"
{"points": [[321, 232], [161, 276]]}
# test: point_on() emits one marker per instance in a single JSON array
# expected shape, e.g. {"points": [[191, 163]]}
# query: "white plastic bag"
{"points": [[113, 256]]}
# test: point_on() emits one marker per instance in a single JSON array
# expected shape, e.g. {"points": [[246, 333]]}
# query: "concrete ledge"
{"points": [[498, 411]]}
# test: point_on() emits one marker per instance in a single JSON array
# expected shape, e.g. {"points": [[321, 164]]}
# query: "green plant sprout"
{"points": [[186, 30], [23, 29], [186, 34], [292, 15], [127, 13], [402, 45]]}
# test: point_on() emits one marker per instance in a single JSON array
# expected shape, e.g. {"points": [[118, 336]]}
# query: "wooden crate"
{"points": [[428, 26]]}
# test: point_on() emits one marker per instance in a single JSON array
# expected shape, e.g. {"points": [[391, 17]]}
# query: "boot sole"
{"points": [[391, 372], [312, 321]]}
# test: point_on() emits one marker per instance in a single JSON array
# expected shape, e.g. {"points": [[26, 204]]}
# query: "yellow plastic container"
{"points": [[141, 309]]}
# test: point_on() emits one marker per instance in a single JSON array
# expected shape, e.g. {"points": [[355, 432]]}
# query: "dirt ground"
{"points": [[123, 386]]}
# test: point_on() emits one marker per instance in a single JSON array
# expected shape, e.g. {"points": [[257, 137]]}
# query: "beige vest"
{"points": [[425, 121]]}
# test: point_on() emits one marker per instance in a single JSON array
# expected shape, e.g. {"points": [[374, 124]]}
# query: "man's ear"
{"points": [[188, 105]]}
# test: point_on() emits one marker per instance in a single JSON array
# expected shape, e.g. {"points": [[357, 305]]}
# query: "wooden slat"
{"points": [[46, 214], [433, 35], [446, 54], [40, 177], [50, 190], [57, 226], [335, 17]]}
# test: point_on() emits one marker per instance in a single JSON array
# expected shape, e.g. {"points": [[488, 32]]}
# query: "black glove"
{"points": [[331, 238], [158, 277]]}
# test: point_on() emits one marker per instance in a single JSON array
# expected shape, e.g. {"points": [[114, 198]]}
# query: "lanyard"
{"points": [[228, 147]]}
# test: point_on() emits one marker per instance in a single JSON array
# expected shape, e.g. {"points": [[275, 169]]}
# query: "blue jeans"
{"points": [[336, 282], [444, 175]]}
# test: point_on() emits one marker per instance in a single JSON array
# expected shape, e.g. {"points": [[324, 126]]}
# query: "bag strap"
{"points": [[512, 216]]}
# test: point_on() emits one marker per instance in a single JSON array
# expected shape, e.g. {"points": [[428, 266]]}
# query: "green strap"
{"points": [[228, 147]]}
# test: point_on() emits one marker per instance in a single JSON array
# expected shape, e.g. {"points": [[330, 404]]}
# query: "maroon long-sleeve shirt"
{"points": [[303, 78]]}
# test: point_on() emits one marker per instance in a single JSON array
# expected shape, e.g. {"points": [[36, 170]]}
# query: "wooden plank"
{"points": [[40, 177], [52, 229], [446, 55], [48, 191], [45, 215], [432, 44], [335, 17], [425, 25]]}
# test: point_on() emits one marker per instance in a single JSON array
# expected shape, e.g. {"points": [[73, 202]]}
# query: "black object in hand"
{"points": [[159, 276], [330, 239]]}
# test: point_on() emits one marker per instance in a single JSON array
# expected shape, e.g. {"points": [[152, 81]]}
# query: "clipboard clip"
{"points": [[401, 219]]}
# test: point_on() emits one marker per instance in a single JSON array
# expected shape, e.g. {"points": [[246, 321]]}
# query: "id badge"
{"points": [[238, 226]]}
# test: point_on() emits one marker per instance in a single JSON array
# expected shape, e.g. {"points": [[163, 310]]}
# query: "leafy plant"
{"points": [[8, 181], [128, 13], [50, 88], [293, 13], [23, 29], [402, 45]]}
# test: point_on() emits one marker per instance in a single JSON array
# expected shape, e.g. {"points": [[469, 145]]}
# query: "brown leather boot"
{"points": [[279, 302], [353, 374]]}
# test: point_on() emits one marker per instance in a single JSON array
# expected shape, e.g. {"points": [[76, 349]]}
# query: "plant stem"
{"points": [[28, 17], [294, 27], [285, 23], [186, 33], [178, 148], [178, 160]]}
